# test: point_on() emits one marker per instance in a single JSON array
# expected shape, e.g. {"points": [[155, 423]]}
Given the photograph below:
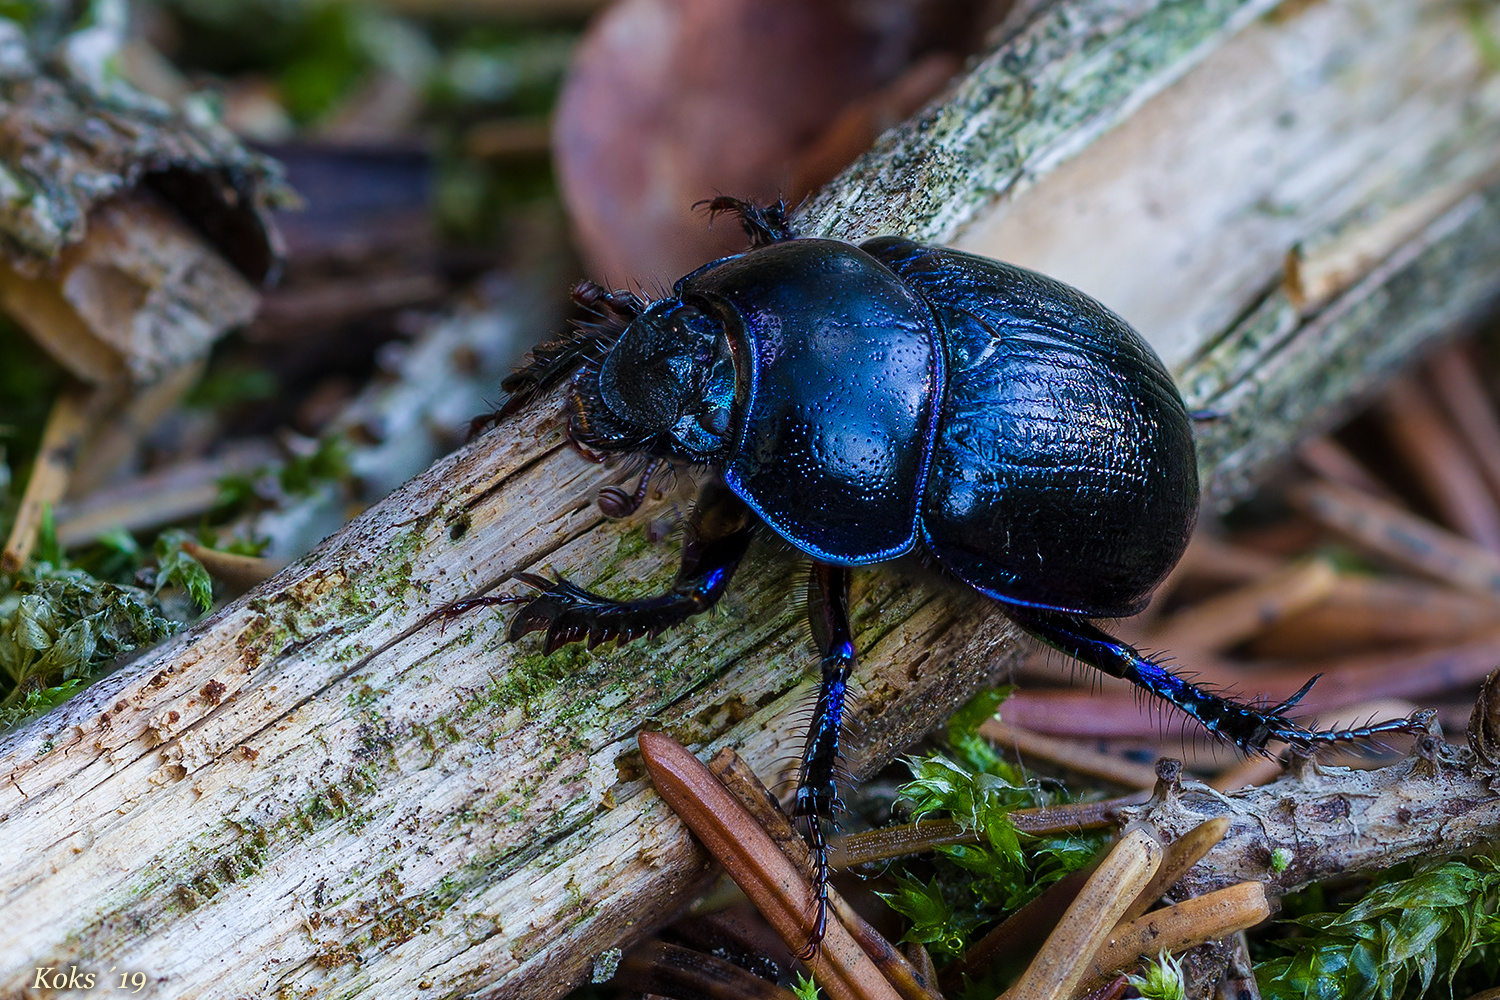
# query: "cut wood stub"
{"points": [[140, 295]]}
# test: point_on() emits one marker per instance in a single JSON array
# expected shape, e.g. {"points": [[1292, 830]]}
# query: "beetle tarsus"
{"points": [[764, 224], [817, 800]]}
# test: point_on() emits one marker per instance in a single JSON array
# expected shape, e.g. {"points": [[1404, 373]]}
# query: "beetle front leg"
{"points": [[817, 790], [1247, 727], [717, 536]]}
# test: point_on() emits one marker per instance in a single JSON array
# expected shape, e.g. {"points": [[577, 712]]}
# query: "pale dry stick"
{"points": [[743, 783], [179, 492], [1493, 994], [1069, 754], [1331, 460], [1180, 855], [133, 415], [1402, 538], [1223, 621], [1377, 611], [1463, 397], [781, 892], [1442, 467], [65, 431], [1060, 967], [1177, 928]]}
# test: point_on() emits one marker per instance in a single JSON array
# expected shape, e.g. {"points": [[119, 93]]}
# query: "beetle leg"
{"points": [[614, 502], [764, 225], [716, 539], [548, 364], [817, 790], [1247, 727]]}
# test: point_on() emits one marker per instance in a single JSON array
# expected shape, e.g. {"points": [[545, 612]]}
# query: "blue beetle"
{"points": [[864, 402]]}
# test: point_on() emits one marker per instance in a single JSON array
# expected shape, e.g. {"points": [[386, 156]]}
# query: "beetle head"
{"points": [[667, 382]]}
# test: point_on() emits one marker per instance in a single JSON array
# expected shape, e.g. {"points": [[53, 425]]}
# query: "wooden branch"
{"points": [[315, 789], [1315, 822]]}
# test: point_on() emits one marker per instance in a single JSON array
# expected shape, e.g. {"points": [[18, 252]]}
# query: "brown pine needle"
{"points": [[658, 968], [1377, 612], [741, 781], [1441, 465], [1462, 395], [1405, 539], [1109, 991], [1020, 933], [1231, 618], [772, 882], [921, 960], [1060, 967], [1331, 460], [1179, 927], [1067, 753]]}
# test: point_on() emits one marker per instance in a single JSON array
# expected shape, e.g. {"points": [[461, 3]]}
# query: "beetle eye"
{"points": [[715, 421]]}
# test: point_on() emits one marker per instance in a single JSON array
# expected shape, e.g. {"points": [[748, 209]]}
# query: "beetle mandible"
{"points": [[863, 402]]}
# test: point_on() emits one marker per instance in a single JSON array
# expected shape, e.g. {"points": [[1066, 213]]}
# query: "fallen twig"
{"points": [[873, 846]]}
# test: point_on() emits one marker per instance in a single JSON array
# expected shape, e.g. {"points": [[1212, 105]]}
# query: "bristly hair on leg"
{"points": [[548, 364]]}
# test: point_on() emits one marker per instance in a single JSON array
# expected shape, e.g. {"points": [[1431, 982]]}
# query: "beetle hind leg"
{"points": [[1249, 728], [716, 540], [817, 799]]}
